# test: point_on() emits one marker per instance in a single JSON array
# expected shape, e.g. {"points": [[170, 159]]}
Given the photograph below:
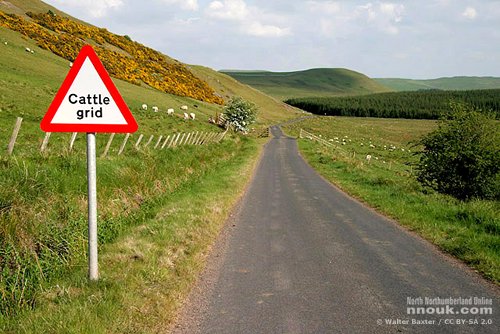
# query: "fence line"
{"points": [[369, 158], [194, 138]]}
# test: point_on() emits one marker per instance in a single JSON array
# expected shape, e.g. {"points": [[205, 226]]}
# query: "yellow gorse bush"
{"points": [[123, 58]]}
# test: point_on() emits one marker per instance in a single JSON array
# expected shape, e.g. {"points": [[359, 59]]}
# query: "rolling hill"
{"points": [[454, 83], [308, 83], [141, 73]]}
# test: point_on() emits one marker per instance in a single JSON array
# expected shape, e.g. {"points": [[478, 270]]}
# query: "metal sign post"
{"points": [[92, 206], [89, 102]]}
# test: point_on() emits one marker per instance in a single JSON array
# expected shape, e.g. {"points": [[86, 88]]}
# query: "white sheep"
{"points": [[70, 64], [154, 108], [193, 116], [5, 43], [186, 116], [368, 158], [184, 107], [144, 107], [28, 50], [170, 111]]}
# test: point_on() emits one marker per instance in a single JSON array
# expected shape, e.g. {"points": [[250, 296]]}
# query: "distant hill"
{"points": [[454, 83], [308, 83]]}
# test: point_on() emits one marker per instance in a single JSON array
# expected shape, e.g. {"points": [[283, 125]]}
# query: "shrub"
{"points": [[240, 113], [462, 157]]}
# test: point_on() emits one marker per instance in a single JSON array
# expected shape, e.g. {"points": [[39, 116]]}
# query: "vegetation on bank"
{"points": [[123, 58], [154, 235], [462, 157], [410, 105], [240, 114], [468, 230]]}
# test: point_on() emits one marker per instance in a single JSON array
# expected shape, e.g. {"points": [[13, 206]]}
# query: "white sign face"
{"points": [[88, 101]]}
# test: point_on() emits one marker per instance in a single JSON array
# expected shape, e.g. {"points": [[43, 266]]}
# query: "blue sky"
{"points": [[417, 39]]}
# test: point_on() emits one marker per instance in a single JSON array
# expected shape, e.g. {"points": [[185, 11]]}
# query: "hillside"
{"points": [[143, 74], [308, 83], [454, 83]]}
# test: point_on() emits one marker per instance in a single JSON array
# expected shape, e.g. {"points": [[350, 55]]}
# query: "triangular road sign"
{"points": [[88, 100]]}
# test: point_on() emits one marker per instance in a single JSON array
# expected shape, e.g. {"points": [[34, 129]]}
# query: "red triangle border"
{"points": [[88, 52]]}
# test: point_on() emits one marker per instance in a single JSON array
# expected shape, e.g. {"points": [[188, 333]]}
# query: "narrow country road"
{"points": [[302, 257]]}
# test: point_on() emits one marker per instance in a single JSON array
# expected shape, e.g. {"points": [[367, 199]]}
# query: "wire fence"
{"points": [[138, 142]]}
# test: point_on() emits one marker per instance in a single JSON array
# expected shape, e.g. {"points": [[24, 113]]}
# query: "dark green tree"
{"points": [[462, 156]]}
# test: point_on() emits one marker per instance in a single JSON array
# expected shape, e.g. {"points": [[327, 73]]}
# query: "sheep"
{"points": [[368, 158], [170, 111], [5, 43], [186, 116], [193, 116], [28, 50], [70, 64], [154, 108], [184, 107], [144, 107]]}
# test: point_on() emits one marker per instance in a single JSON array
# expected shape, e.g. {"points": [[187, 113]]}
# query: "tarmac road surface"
{"points": [[300, 256]]}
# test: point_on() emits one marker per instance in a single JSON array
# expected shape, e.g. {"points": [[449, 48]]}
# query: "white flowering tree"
{"points": [[240, 113]]}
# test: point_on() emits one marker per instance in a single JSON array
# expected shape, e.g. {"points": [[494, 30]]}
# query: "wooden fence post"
{"points": [[108, 145], [199, 138], [158, 142], [13, 138], [182, 138], [177, 140], [72, 140], [124, 143], [45, 141], [165, 142], [138, 141], [149, 141], [186, 142]]}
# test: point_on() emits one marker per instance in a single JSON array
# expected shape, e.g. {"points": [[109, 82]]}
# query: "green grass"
{"points": [[454, 83], [469, 231], [309, 83], [154, 234], [43, 200]]}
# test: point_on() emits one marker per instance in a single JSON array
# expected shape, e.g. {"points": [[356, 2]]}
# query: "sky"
{"points": [[417, 39]]}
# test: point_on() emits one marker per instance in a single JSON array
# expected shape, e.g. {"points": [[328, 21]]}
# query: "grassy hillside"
{"points": [[454, 83], [271, 110], [309, 83]]}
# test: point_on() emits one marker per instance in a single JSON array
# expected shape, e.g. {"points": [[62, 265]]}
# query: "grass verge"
{"points": [[469, 231], [148, 258]]}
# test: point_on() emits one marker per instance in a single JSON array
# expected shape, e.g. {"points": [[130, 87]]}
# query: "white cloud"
{"points": [[327, 7], [261, 30], [249, 18], [470, 13], [384, 15], [228, 10], [184, 4], [95, 8]]}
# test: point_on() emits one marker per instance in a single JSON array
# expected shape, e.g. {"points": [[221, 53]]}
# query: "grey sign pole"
{"points": [[92, 202]]}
